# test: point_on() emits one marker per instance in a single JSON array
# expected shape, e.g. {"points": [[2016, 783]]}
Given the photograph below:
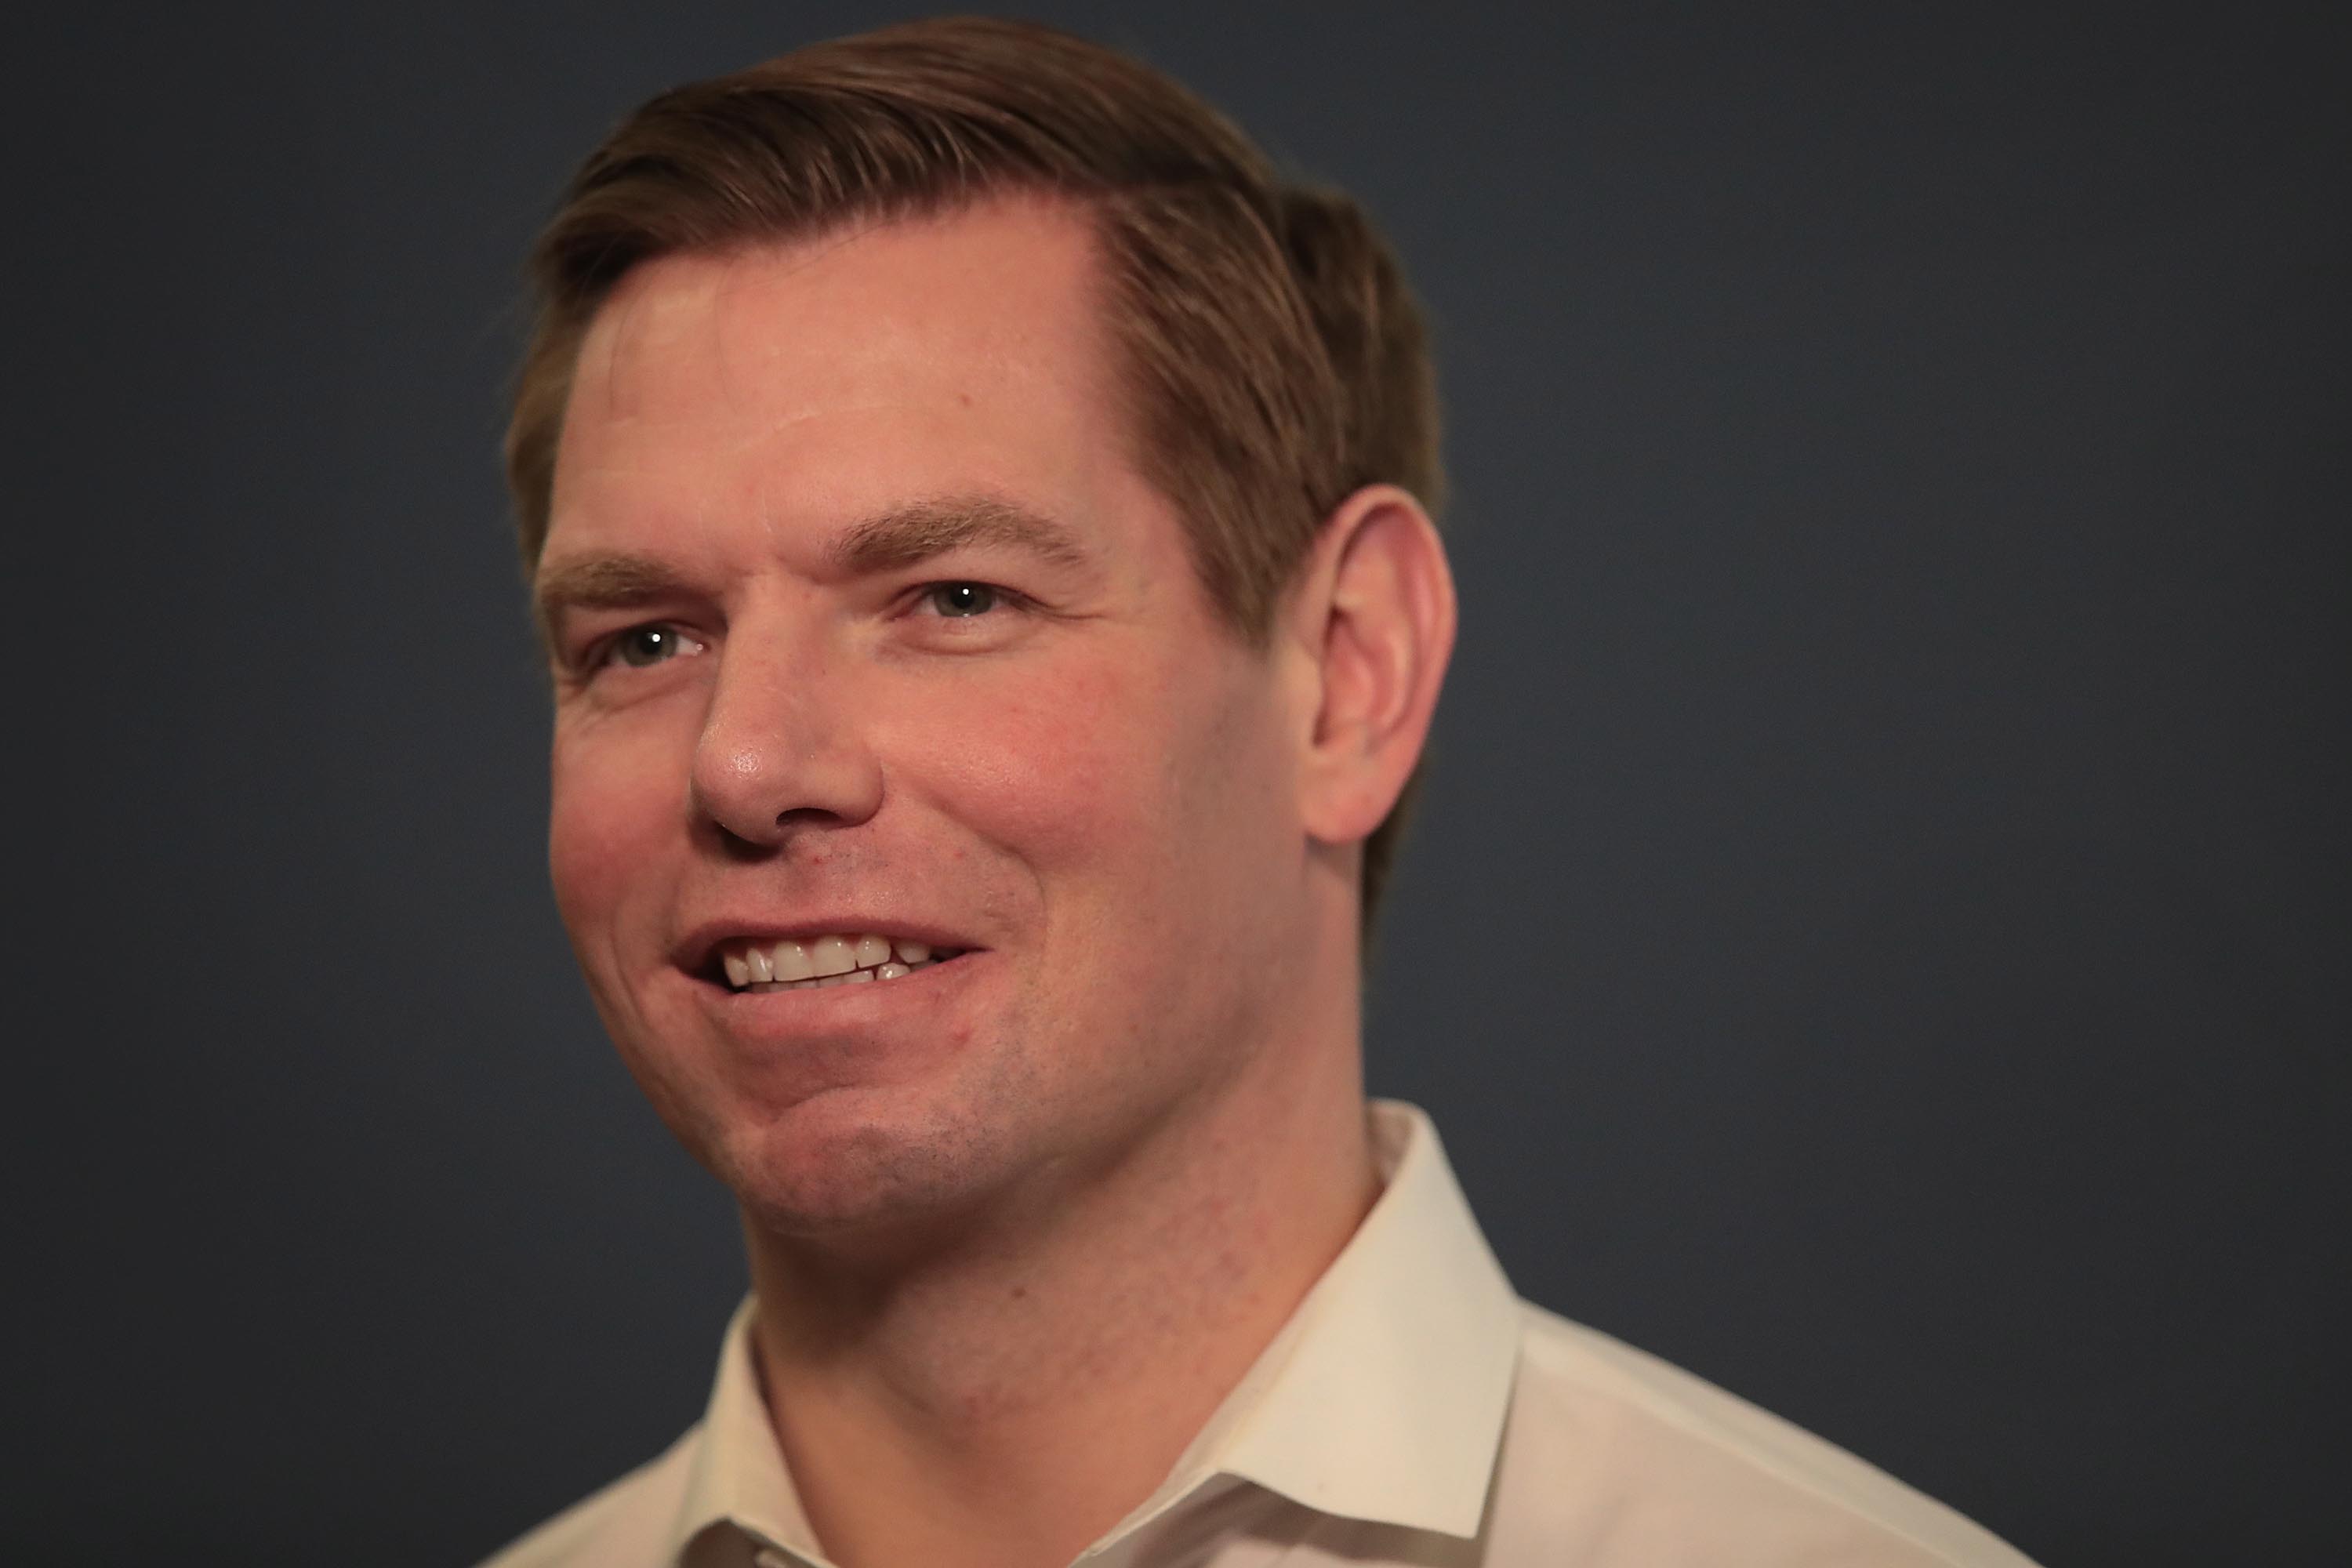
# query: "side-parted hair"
{"points": [[1274, 359]]}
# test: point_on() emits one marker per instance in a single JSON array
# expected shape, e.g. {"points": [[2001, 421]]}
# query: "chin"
{"points": [[849, 1162]]}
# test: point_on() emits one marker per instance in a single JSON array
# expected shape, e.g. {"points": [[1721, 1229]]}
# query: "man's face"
{"points": [[864, 625]]}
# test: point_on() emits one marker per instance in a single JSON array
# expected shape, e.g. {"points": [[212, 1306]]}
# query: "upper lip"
{"points": [[697, 951]]}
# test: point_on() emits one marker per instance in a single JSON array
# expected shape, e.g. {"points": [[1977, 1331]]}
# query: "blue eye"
{"points": [[961, 599], [647, 644]]}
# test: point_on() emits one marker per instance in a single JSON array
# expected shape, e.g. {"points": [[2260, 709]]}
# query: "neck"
{"points": [[1003, 1401]]}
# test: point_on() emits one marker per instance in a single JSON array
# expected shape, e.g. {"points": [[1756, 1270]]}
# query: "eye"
{"points": [[653, 643], [961, 600]]}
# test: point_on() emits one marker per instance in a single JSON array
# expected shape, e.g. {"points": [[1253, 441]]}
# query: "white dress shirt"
{"points": [[1412, 1412]]}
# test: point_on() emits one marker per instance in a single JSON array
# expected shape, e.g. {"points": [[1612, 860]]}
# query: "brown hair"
{"points": [[1274, 359]]}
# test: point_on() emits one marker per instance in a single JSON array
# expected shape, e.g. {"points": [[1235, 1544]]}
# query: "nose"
{"points": [[780, 748]]}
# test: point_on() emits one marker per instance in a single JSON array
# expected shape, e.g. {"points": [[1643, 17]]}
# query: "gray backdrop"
{"points": [[1878, 933]]}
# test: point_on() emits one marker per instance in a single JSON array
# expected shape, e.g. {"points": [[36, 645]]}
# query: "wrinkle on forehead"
{"points": [[713, 328], [701, 359], [644, 321]]}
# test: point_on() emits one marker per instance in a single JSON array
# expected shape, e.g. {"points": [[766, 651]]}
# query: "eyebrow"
{"points": [[907, 535], [615, 582], [890, 540]]}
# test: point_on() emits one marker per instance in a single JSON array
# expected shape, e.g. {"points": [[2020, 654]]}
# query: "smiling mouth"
{"points": [[752, 965]]}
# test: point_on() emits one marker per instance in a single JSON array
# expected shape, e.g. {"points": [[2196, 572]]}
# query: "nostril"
{"points": [[743, 850]]}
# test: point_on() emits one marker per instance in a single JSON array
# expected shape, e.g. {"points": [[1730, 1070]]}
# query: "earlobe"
{"points": [[1376, 618]]}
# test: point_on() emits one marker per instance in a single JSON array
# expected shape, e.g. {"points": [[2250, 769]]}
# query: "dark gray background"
{"points": [[1878, 934]]}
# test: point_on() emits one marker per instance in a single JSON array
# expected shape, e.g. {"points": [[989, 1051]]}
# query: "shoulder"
{"points": [[628, 1521], [1690, 1471]]}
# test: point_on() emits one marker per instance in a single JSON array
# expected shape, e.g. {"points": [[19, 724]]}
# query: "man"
{"points": [[980, 520]]}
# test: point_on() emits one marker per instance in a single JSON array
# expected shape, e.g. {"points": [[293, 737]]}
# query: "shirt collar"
{"points": [[1383, 1399], [736, 1474]]}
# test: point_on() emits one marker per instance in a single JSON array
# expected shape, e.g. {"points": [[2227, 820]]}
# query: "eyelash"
{"points": [[605, 653], [999, 599]]}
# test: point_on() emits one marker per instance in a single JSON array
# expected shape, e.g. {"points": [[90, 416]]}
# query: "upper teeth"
{"points": [[821, 961]]}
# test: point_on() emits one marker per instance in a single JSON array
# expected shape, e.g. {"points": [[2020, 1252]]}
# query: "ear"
{"points": [[1372, 622]]}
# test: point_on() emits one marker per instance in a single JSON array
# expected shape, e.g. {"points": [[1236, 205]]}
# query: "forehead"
{"points": [[843, 374]]}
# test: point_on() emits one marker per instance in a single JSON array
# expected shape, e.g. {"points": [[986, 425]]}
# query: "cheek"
{"points": [[1030, 765], [1134, 797], [611, 797]]}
